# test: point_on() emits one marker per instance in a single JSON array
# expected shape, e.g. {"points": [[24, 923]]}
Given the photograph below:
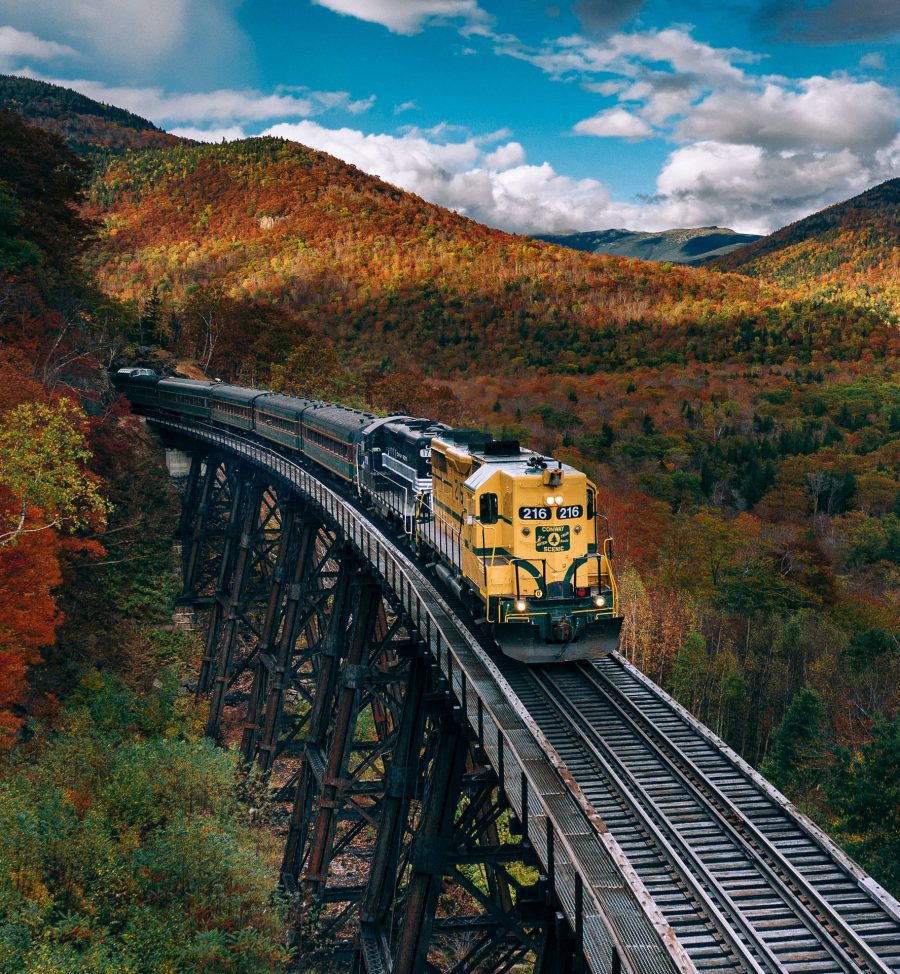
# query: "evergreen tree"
{"points": [[797, 743], [865, 794], [152, 321]]}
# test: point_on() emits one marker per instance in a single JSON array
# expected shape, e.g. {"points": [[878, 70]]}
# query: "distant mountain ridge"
{"points": [[682, 246], [89, 127]]}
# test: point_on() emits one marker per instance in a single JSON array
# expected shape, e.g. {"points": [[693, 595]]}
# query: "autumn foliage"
{"points": [[848, 252], [398, 283], [743, 428]]}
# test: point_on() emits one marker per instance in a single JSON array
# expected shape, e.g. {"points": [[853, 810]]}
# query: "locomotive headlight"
{"points": [[558, 498], [526, 532], [600, 601], [551, 500], [521, 605]]}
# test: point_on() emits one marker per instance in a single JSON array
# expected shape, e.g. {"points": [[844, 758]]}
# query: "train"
{"points": [[512, 533]]}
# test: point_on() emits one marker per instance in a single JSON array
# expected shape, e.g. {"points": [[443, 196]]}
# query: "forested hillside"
{"points": [[849, 252], [392, 278], [88, 127], [123, 843]]}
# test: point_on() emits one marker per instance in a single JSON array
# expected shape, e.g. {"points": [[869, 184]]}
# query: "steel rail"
{"points": [[753, 779], [729, 832], [732, 819], [605, 902], [647, 813]]}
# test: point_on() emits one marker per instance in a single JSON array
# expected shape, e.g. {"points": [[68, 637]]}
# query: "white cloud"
{"points": [[230, 133], [505, 156], [16, 45], [887, 159], [875, 61], [745, 186], [628, 54], [135, 39], [831, 113], [753, 152], [406, 160], [494, 186], [358, 107], [408, 16], [614, 122], [605, 87], [223, 107], [406, 106]]}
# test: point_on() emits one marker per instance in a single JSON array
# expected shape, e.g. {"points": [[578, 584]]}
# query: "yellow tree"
{"points": [[312, 369], [44, 480]]}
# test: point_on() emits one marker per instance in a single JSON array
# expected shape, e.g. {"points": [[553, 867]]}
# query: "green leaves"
{"points": [[798, 742], [865, 794], [43, 471], [123, 853], [15, 253]]}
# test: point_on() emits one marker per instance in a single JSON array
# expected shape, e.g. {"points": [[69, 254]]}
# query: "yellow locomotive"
{"points": [[518, 532]]}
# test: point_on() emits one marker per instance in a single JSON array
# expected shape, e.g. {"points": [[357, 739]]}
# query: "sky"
{"points": [[530, 116]]}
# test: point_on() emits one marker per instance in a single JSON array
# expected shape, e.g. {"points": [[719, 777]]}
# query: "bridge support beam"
{"points": [[248, 498], [431, 847], [203, 526], [291, 579], [399, 787], [354, 671], [223, 587], [312, 762], [391, 804]]}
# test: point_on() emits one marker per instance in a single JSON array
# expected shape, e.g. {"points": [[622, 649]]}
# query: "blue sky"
{"points": [[530, 116]]}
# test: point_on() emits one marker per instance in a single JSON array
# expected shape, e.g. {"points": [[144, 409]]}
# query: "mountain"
{"points": [[692, 246], [90, 128], [849, 251], [389, 276], [322, 247]]}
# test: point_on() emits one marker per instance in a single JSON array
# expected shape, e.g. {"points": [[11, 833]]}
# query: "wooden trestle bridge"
{"points": [[448, 809]]}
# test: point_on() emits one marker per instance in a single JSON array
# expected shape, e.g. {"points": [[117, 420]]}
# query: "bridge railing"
{"points": [[615, 920]]}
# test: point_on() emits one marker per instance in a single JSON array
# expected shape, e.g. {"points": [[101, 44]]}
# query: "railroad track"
{"points": [[744, 884]]}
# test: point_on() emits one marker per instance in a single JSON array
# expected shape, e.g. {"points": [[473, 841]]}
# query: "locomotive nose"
{"points": [[562, 630]]}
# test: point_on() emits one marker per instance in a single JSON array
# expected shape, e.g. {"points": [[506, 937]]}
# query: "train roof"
{"points": [[417, 426], [281, 404], [224, 392], [465, 438], [412, 427], [140, 377], [340, 419], [526, 464], [186, 385]]}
